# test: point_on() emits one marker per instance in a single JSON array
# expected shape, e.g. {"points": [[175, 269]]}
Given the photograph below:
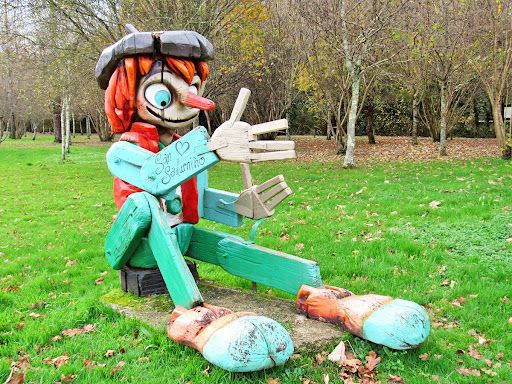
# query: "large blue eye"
{"points": [[158, 95]]}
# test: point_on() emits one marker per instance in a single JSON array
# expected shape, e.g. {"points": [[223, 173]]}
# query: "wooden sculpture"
{"points": [[154, 83]]}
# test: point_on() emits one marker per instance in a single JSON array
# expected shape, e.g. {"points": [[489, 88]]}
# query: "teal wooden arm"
{"points": [[220, 206], [160, 174]]}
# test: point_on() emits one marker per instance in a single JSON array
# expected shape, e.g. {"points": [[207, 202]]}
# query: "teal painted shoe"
{"points": [[250, 343], [399, 324]]}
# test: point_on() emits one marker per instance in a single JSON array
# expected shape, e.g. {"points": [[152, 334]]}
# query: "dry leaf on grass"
{"points": [[66, 379], [79, 331], [423, 356], [371, 361], [459, 302], [71, 263], [326, 378], [109, 353], [338, 354], [18, 370], [474, 353], [434, 204], [468, 371], [58, 361], [395, 379], [272, 380]]}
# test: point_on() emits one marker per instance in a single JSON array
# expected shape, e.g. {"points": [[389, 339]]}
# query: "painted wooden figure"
{"points": [[154, 83]]}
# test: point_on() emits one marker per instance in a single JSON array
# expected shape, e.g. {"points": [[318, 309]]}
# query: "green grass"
{"points": [[384, 239]]}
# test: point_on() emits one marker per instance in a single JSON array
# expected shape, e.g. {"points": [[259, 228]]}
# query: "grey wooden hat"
{"points": [[184, 44]]}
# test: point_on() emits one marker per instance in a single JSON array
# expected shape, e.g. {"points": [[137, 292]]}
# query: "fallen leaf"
{"points": [[71, 263], [58, 361], [206, 371], [56, 338], [284, 236], [473, 353], [434, 204], [271, 380], [488, 371], [371, 361], [20, 325], [66, 378], [338, 354], [117, 368], [79, 331], [500, 355], [143, 359], [320, 357], [488, 362], [423, 356], [99, 280], [361, 191], [34, 315], [109, 353], [459, 302], [39, 304], [326, 378], [395, 379], [468, 371], [18, 370]]}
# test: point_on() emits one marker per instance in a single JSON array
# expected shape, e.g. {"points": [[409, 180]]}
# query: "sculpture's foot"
{"points": [[237, 342], [395, 323]]}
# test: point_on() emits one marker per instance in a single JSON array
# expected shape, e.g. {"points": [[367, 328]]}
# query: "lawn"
{"points": [[438, 233]]}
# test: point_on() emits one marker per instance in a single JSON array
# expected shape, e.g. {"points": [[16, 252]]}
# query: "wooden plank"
{"points": [[240, 104], [124, 160], [266, 266], [277, 155], [219, 206], [262, 265], [127, 231], [272, 145], [246, 175], [202, 184], [269, 183], [204, 244], [178, 162], [164, 244], [278, 198], [270, 126]]}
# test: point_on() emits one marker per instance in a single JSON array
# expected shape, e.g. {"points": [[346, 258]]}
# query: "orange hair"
{"points": [[122, 87]]}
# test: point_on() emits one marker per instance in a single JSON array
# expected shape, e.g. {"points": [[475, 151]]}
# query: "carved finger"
{"points": [[240, 104], [271, 126], [278, 198], [269, 183], [265, 196], [276, 155], [271, 145]]}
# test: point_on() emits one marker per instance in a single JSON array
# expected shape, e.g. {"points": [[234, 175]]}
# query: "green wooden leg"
{"points": [[164, 245], [127, 231], [261, 265]]}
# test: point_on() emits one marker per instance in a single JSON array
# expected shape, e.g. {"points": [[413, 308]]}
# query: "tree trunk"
{"points": [[57, 121], [370, 122], [351, 126], [34, 130], [68, 125], [415, 106], [63, 128], [12, 126], [475, 118], [443, 122], [88, 126], [73, 121], [499, 129]]}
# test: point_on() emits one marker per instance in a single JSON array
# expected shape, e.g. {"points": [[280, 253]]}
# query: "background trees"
{"points": [[334, 67]]}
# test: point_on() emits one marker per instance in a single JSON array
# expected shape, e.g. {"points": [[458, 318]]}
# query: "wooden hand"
{"points": [[236, 140], [259, 201]]}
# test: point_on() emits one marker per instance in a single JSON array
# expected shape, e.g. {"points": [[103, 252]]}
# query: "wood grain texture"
{"points": [[164, 245], [262, 265], [220, 206], [178, 162], [127, 231]]}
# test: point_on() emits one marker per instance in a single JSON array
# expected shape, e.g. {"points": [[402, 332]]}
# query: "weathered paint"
{"points": [[143, 256], [125, 159], [400, 324], [267, 266], [178, 162], [248, 344], [127, 231], [164, 245], [219, 206], [262, 265]]}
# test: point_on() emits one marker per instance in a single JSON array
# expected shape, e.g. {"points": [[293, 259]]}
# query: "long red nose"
{"points": [[195, 101]]}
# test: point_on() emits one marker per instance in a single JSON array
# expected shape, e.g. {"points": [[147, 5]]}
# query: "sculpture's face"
{"points": [[165, 99]]}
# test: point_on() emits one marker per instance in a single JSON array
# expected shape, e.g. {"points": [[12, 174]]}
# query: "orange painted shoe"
{"points": [[395, 323], [237, 342]]}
